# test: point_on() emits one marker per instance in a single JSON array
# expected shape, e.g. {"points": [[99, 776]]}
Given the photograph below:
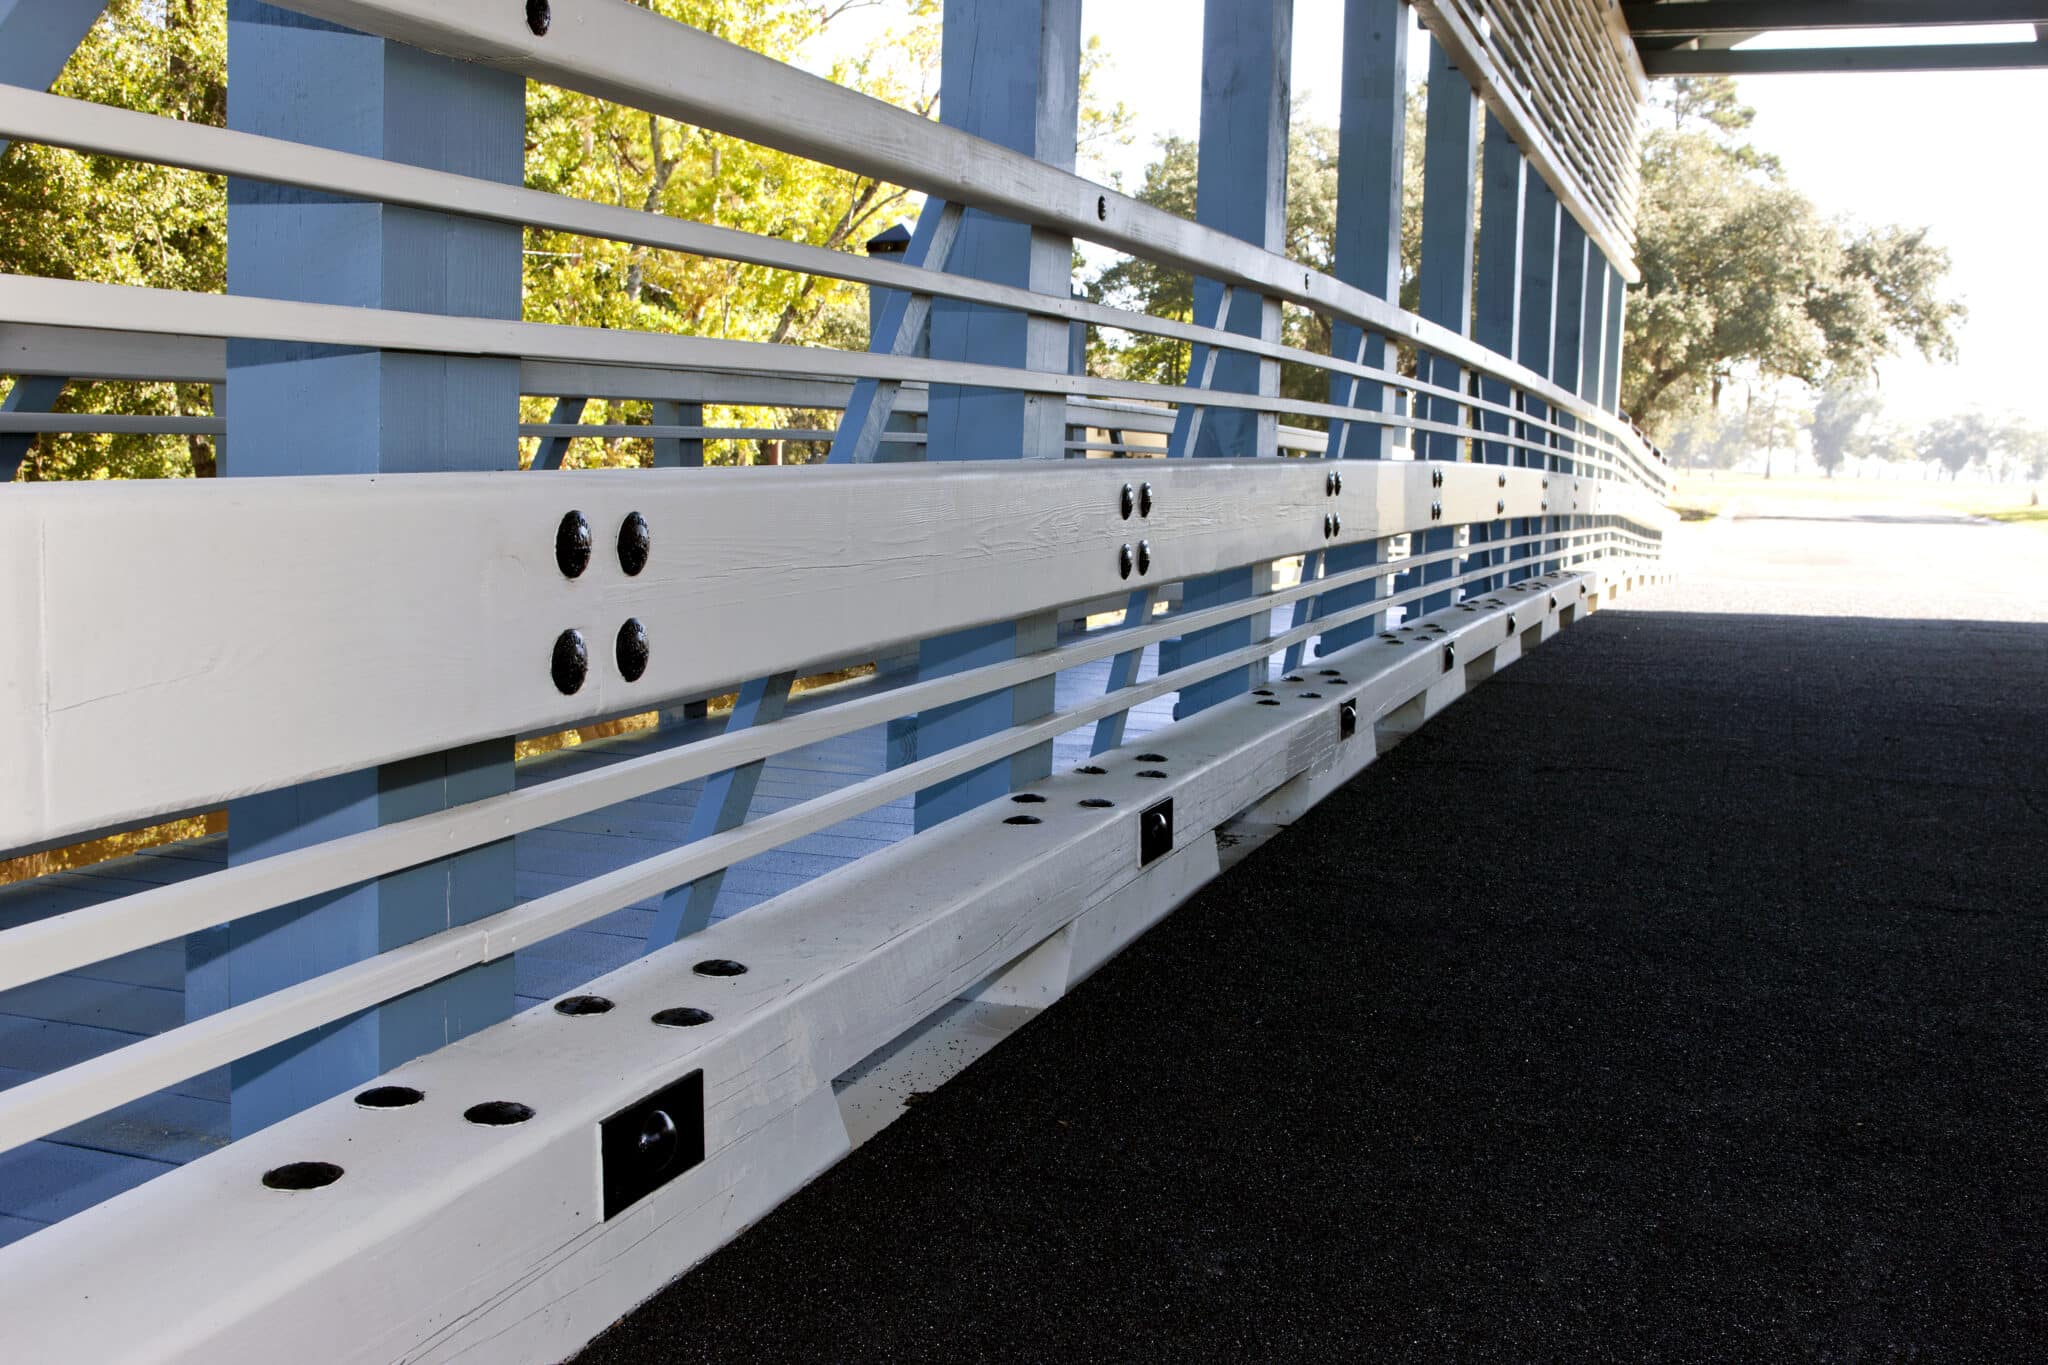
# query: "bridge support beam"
{"points": [[1371, 133], [1449, 205], [1010, 72], [1241, 189], [1497, 319], [329, 410], [1536, 325], [1575, 261]]}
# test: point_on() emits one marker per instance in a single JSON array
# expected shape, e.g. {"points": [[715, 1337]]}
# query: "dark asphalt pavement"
{"points": [[1682, 994]]}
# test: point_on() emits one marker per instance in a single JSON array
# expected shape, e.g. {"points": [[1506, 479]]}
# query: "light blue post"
{"points": [[300, 409], [1010, 72], [31, 393], [1568, 355], [1537, 326], [1241, 189], [1449, 191], [1497, 321], [1610, 372], [1372, 123]]}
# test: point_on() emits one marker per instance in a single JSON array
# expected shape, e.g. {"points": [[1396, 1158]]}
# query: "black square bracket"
{"points": [[1347, 719], [646, 1145], [1155, 832]]}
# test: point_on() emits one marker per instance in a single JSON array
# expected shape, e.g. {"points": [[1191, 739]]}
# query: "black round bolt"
{"points": [[389, 1097], [680, 1016], [1101, 208], [1336, 525], [571, 662], [1511, 623], [657, 1142], [1553, 601], [1028, 799], [1091, 770], [1021, 820], [1311, 696], [1328, 672], [576, 1006], [1293, 677], [1151, 758], [1262, 691], [1123, 561], [1156, 823], [1499, 506], [1144, 499], [1097, 802], [301, 1175], [1328, 530], [538, 17], [1154, 772], [635, 541], [720, 966], [1144, 558], [498, 1113], [1330, 484], [1268, 702], [1503, 481], [572, 544], [1450, 656], [631, 649], [1336, 481], [1129, 501]]}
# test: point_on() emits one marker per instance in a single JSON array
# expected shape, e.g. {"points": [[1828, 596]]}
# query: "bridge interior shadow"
{"points": [[1679, 994]]}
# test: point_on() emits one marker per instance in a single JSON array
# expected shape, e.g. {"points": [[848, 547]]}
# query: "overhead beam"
{"points": [[1760, 16], [1823, 60]]}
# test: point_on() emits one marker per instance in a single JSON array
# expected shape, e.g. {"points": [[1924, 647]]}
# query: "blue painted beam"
{"points": [[721, 806], [1610, 372], [31, 393], [1241, 189], [1537, 323], [1009, 72], [1496, 321], [1575, 255], [300, 409], [37, 37], [1449, 195], [1371, 134]]}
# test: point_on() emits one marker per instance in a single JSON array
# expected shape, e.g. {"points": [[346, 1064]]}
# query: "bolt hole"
{"points": [[1268, 702], [498, 1113], [389, 1097], [1331, 672], [1091, 770], [301, 1175], [1097, 802], [681, 1016], [1262, 692], [1154, 772], [1151, 758], [1338, 681], [1022, 820], [583, 1004], [1027, 798], [720, 966], [1292, 677]]}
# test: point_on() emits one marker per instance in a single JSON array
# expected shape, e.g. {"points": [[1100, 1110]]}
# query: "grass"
{"points": [[2021, 516], [1700, 496]]}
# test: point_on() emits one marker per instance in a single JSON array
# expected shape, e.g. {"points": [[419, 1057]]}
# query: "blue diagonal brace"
{"points": [[1123, 671], [721, 806], [31, 393], [568, 412], [859, 437], [37, 37]]}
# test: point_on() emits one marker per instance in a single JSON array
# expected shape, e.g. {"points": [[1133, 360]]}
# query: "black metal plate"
{"points": [[646, 1145], [1155, 832]]}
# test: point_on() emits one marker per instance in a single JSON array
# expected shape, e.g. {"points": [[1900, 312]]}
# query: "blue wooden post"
{"points": [[1610, 372], [1568, 354], [31, 393], [1537, 327], [1010, 72], [321, 409], [1372, 124], [1497, 322], [1449, 192], [1241, 189]]}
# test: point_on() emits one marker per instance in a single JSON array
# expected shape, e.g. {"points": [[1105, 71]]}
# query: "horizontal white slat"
{"points": [[66, 942], [620, 51], [45, 1104], [354, 620]]}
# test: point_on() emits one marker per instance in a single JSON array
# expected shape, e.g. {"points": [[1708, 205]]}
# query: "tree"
{"points": [[1741, 271], [1839, 418], [1959, 441]]}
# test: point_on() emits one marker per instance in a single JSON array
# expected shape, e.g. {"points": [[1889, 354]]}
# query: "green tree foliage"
{"points": [[1740, 270], [112, 221], [1841, 417]]}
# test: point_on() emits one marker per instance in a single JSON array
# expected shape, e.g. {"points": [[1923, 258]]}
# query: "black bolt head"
{"points": [[538, 17], [1144, 501], [1503, 481], [1500, 506], [1336, 482], [1336, 525], [1123, 561], [1450, 657], [1328, 530], [571, 662], [635, 542], [631, 649], [1144, 557], [572, 544], [1129, 501]]}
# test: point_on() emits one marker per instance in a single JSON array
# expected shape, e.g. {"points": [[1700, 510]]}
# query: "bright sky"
{"points": [[1958, 153]]}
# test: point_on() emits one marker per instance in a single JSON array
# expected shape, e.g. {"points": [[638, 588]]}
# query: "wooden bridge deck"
{"points": [[54, 1023]]}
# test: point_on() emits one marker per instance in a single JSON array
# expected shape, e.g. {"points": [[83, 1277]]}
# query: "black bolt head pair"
{"points": [[571, 664]]}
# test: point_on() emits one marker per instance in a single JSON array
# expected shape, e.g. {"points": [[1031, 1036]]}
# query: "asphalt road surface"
{"points": [[1703, 1018]]}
